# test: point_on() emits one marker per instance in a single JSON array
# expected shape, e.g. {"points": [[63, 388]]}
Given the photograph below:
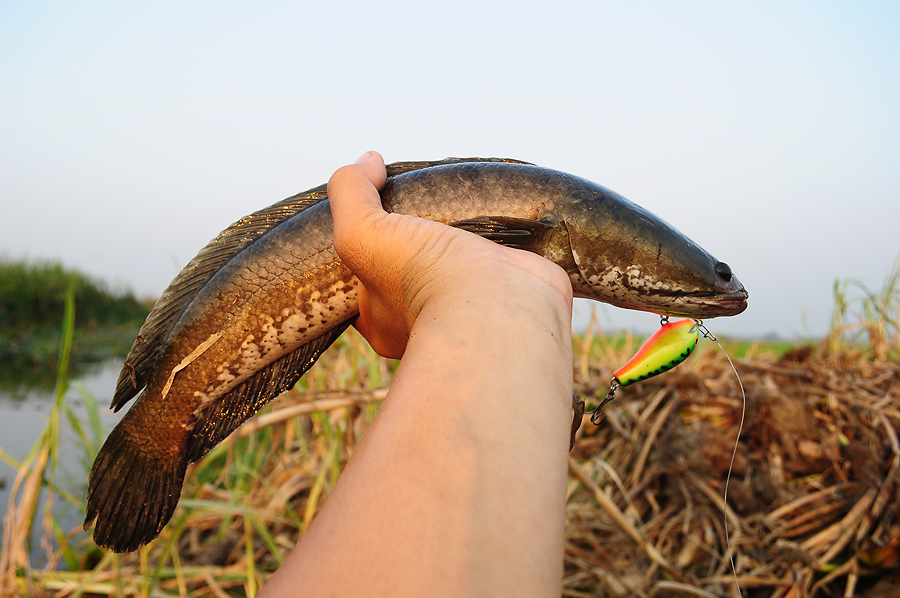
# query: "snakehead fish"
{"points": [[260, 303]]}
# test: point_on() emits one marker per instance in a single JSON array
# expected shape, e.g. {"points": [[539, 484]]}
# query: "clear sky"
{"points": [[768, 131]]}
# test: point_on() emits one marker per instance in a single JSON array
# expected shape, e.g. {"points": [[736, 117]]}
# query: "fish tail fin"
{"points": [[131, 494]]}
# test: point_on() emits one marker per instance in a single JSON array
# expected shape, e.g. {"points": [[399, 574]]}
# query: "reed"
{"points": [[244, 504], [32, 296], [34, 293], [866, 318], [36, 477]]}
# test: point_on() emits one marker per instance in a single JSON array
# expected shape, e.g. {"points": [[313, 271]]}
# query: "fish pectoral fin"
{"points": [[221, 418], [520, 233]]}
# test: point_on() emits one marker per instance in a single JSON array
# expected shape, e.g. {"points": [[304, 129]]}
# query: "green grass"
{"points": [[38, 472], [234, 497], [32, 296], [867, 318]]}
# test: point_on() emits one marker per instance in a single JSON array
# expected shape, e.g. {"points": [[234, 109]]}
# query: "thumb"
{"points": [[356, 206]]}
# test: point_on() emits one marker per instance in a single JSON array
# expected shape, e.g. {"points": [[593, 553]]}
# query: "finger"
{"points": [[356, 208]]}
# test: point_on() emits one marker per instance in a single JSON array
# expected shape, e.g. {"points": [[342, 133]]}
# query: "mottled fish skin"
{"points": [[280, 293], [243, 323], [614, 250]]}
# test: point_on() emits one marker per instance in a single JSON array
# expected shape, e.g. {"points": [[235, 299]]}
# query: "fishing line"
{"points": [[665, 349], [707, 334]]}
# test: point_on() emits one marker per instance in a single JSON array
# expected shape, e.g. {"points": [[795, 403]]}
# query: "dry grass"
{"points": [[868, 318], [813, 504]]}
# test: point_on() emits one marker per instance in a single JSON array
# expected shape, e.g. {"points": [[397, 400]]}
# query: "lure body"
{"points": [[666, 348]]}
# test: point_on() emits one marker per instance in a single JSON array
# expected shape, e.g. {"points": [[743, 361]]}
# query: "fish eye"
{"points": [[724, 271]]}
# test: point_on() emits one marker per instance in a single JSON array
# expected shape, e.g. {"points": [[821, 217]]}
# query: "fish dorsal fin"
{"points": [[505, 230], [223, 417], [396, 168], [145, 352]]}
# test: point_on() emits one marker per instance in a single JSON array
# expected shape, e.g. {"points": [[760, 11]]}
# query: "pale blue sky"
{"points": [[768, 131]]}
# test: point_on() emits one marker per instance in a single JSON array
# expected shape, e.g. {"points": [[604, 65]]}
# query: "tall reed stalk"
{"points": [[36, 479], [867, 318], [243, 507]]}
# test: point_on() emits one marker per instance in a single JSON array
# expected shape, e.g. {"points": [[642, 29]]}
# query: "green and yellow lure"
{"points": [[667, 347]]}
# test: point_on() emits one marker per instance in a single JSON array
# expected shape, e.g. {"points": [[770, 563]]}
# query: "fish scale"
{"points": [[258, 305]]}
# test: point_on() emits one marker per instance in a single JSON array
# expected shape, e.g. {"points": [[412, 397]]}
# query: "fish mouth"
{"points": [[727, 298], [713, 305]]}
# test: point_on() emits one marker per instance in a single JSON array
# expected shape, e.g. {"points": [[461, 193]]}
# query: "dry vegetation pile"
{"points": [[812, 505]]}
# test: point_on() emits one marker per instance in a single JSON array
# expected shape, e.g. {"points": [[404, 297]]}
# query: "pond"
{"points": [[23, 417]]}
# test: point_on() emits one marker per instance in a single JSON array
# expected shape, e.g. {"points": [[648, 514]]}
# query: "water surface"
{"points": [[23, 417]]}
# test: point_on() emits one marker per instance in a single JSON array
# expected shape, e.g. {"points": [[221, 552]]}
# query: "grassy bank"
{"points": [[33, 296]]}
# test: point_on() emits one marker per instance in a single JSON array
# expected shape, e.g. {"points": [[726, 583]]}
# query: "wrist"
{"points": [[494, 292], [500, 329]]}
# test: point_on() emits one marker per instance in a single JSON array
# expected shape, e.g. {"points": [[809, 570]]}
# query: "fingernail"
{"points": [[363, 158]]}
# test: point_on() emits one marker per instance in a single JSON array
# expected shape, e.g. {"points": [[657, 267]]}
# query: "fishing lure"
{"points": [[667, 347]]}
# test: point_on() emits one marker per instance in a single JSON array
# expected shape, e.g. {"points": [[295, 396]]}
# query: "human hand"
{"points": [[429, 497], [405, 262]]}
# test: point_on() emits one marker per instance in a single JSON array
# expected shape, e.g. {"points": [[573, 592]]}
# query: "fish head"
{"points": [[626, 256]]}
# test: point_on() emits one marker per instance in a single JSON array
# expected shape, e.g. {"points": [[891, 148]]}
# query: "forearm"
{"points": [[505, 402], [459, 486]]}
